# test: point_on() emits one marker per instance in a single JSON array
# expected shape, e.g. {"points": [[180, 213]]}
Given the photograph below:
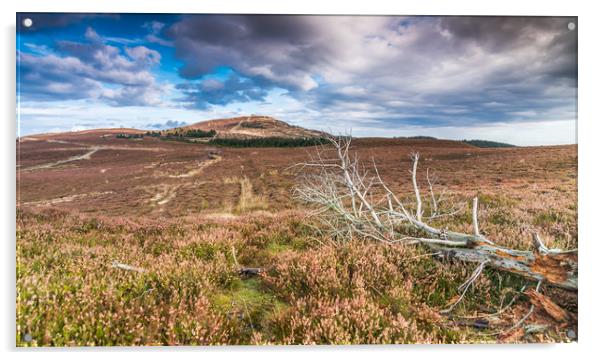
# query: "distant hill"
{"points": [[256, 131], [487, 144], [477, 143], [249, 127]]}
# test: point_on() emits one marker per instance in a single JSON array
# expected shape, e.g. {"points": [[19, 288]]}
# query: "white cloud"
{"points": [[91, 70]]}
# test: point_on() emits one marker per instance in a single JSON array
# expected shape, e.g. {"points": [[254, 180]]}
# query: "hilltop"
{"points": [[254, 127]]}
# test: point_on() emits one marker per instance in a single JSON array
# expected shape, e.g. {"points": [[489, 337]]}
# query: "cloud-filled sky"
{"points": [[510, 79]]}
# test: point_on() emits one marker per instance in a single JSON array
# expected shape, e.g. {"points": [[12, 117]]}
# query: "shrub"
{"points": [[129, 136], [487, 144], [268, 142], [197, 133]]}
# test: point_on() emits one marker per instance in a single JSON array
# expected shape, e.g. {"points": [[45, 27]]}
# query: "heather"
{"points": [[313, 292], [189, 216]]}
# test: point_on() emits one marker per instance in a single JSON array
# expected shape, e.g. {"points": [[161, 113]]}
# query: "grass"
{"points": [[248, 200]]}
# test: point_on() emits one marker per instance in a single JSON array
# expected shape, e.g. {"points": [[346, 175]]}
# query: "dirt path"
{"points": [[68, 198], [166, 193], [238, 126], [199, 169], [86, 156]]}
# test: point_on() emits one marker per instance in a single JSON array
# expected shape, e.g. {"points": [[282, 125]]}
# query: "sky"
{"points": [[509, 79]]}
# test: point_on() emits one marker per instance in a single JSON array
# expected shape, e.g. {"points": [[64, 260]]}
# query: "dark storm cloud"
{"points": [[215, 92], [273, 49], [505, 34], [428, 70]]}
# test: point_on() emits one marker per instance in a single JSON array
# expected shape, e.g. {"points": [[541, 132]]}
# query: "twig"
{"points": [[521, 321], [234, 256], [464, 287], [499, 312]]}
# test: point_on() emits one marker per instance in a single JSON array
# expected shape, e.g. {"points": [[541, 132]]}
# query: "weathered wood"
{"points": [[543, 302], [554, 267], [558, 269]]}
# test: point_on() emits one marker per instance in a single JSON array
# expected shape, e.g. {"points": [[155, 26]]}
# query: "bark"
{"points": [[558, 269], [543, 302]]}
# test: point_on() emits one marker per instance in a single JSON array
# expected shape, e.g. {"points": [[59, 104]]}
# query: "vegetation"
{"points": [[196, 133], [147, 248], [252, 125], [189, 293], [129, 136], [487, 144], [417, 137], [268, 142], [182, 135]]}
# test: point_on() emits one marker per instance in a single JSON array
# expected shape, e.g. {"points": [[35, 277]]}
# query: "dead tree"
{"points": [[353, 202]]}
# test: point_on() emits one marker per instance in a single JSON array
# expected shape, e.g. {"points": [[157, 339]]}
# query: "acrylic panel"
{"points": [[196, 179]]}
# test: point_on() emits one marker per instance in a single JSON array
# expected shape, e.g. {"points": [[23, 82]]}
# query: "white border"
{"points": [[589, 166]]}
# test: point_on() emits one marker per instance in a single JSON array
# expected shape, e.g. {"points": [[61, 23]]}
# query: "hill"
{"points": [[254, 126]]}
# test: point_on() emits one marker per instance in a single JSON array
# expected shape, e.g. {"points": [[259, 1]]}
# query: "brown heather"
{"points": [[238, 210]]}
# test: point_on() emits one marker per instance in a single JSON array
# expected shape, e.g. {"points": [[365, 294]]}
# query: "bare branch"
{"points": [[415, 157], [475, 218], [464, 287]]}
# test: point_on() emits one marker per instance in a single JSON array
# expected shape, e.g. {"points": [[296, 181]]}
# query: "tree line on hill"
{"points": [[180, 135], [487, 144], [477, 143], [268, 142], [129, 136], [188, 135]]}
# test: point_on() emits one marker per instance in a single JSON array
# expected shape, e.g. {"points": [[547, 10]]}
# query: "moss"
{"points": [[250, 301], [274, 248]]}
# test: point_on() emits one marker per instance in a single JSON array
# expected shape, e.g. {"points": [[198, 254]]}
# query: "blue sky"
{"points": [[511, 79]]}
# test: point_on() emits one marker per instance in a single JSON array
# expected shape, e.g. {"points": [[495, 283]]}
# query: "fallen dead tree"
{"points": [[354, 202]]}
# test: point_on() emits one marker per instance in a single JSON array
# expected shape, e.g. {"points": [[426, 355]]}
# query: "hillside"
{"points": [[254, 127]]}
